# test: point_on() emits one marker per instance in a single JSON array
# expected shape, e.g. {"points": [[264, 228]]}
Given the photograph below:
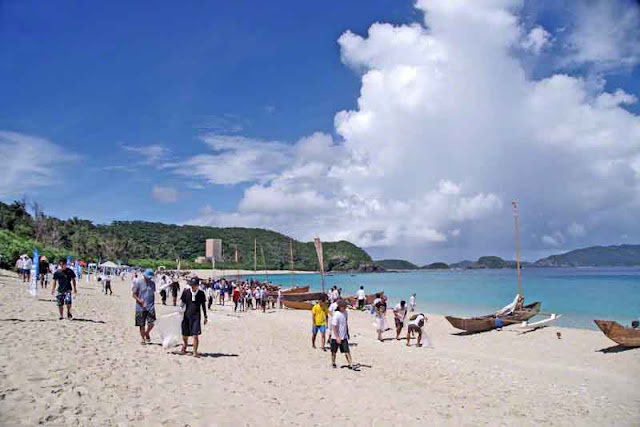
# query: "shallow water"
{"points": [[579, 294]]}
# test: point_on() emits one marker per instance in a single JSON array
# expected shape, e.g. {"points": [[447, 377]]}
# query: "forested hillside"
{"points": [[146, 243]]}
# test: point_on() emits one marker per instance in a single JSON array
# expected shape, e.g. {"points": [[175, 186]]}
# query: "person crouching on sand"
{"points": [[340, 339], [191, 300], [416, 323]]}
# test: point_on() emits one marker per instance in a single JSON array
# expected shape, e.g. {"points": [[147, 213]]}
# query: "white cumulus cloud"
{"points": [[448, 127], [165, 194], [29, 162]]}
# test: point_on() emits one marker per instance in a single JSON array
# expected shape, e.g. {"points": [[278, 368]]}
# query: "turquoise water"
{"points": [[579, 294]]}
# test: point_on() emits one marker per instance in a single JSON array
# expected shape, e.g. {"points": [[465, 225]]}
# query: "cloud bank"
{"points": [[448, 129]]}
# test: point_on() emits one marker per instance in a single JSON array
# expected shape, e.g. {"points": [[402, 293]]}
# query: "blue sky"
{"points": [[124, 98]]}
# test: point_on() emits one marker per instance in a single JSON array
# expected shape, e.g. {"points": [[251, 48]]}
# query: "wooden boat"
{"points": [[295, 290], [368, 298], [305, 296], [298, 305], [627, 337], [492, 321]]}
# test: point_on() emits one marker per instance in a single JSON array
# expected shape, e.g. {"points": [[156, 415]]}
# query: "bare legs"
{"points": [[196, 342], [145, 334]]}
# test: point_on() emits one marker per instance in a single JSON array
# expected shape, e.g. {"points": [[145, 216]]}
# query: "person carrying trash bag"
{"points": [[191, 301]]}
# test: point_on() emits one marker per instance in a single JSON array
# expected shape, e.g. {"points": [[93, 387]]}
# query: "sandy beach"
{"points": [[260, 369]]}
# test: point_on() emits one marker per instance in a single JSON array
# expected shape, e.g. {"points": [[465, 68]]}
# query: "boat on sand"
{"points": [[304, 296], [298, 305], [493, 321], [627, 337]]}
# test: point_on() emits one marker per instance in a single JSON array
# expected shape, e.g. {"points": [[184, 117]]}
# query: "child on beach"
{"points": [[379, 319], [412, 302]]}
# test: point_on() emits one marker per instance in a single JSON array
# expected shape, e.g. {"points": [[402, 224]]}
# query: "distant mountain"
{"points": [[150, 244], [396, 264], [435, 266], [595, 256], [462, 264]]}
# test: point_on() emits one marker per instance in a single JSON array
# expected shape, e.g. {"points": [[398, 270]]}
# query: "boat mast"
{"points": [[237, 266], [264, 260], [291, 251], [255, 257], [515, 216]]}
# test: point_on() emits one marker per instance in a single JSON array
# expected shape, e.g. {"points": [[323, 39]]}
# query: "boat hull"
{"points": [[369, 298], [489, 322], [619, 334], [298, 305], [306, 296]]}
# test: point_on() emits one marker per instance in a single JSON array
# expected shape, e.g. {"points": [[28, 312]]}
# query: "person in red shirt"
{"points": [[236, 297]]}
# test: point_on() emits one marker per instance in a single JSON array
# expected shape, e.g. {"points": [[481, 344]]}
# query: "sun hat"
{"points": [[194, 281], [148, 273]]}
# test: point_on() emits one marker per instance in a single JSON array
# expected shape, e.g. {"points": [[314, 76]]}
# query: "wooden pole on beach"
{"points": [[515, 216], [292, 273], [264, 260], [255, 257], [237, 266]]}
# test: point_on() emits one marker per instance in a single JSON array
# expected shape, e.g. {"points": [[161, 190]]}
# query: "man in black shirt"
{"points": [[192, 299], [64, 278]]}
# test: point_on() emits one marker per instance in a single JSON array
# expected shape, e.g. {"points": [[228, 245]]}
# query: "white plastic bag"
{"points": [[169, 328]]}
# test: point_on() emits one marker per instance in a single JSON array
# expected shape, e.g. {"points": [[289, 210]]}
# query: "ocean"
{"points": [[579, 294]]}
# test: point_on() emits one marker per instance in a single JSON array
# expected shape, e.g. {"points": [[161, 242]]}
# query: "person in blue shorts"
{"points": [[65, 279], [319, 314]]}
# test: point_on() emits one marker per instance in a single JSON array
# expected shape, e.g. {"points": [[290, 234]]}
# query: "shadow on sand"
{"points": [[616, 349], [29, 320]]}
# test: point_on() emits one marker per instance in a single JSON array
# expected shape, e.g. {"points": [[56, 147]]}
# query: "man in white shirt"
{"points": [[361, 298], [340, 329], [415, 325], [399, 314]]}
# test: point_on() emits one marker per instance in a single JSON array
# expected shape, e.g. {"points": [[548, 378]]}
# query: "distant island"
{"points": [[594, 256]]}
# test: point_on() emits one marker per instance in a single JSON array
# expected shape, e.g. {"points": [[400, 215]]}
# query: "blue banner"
{"points": [[33, 283], [68, 260]]}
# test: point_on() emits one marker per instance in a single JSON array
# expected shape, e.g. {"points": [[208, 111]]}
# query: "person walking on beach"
{"points": [[192, 300], [65, 279], [361, 298], [412, 302], [107, 284], [144, 292], [416, 323], [43, 271], [26, 269], [340, 339], [175, 288], [235, 296], [379, 319], [399, 314], [319, 314]]}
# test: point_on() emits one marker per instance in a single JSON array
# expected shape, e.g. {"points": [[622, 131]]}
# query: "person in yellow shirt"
{"points": [[319, 314]]}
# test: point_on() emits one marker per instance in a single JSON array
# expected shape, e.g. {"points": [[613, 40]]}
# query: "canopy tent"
{"points": [[109, 264]]}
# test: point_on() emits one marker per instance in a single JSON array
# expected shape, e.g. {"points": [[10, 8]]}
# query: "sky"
{"points": [[407, 128]]}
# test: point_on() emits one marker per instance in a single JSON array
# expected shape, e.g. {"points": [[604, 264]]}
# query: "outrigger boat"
{"points": [[511, 314], [627, 337], [298, 305]]}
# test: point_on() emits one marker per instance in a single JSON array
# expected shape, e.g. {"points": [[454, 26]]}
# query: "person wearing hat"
{"points": [[144, 292], [43, 271], [192, 300], [340, 339]]}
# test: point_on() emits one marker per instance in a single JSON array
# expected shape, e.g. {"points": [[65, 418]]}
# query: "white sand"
{"points": [[261, 370]]}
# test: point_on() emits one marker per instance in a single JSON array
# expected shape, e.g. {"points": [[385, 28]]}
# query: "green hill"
{"points": [[395, 264], [595, 256], [436, 266], [151, 244]]}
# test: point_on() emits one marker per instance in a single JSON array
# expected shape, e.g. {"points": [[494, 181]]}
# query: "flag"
{"points": [[33, 283], [318, 244], [236, 254]]}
